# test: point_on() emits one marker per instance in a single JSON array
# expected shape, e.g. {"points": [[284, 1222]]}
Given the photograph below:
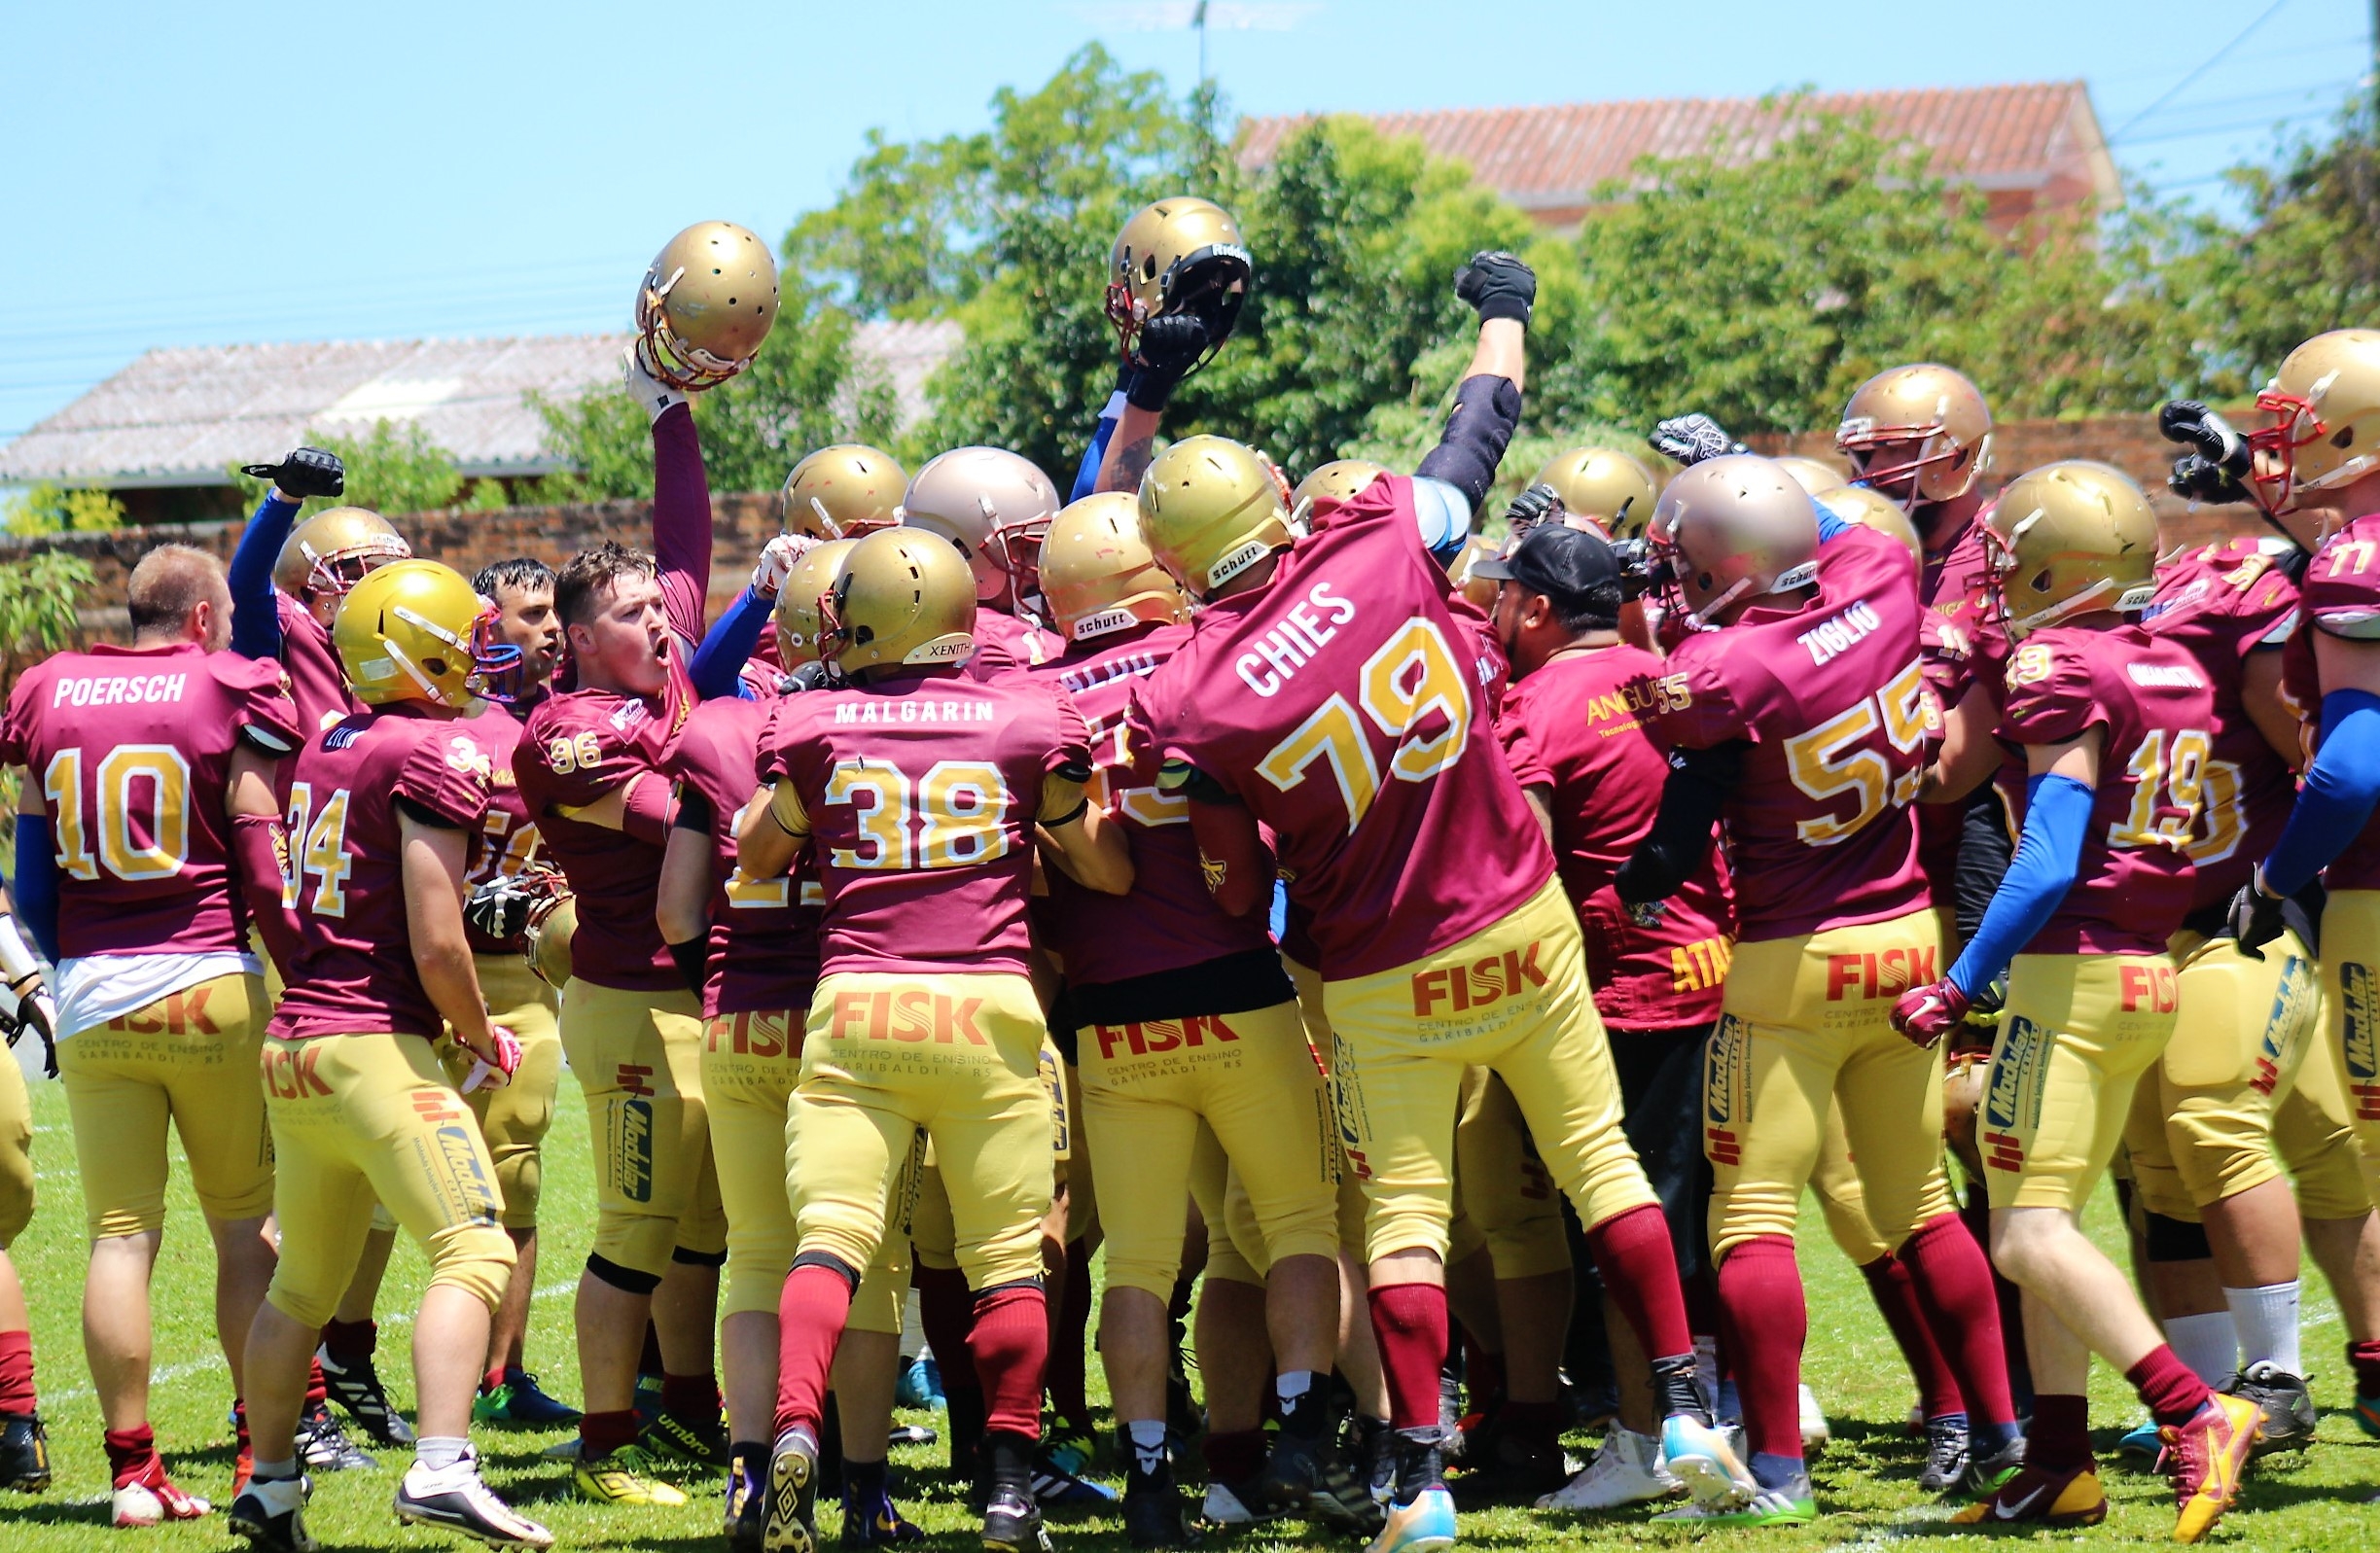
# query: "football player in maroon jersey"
{"points": [[25, 1011], [362, 1110]]}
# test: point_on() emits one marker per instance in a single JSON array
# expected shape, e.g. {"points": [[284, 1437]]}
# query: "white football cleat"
{"points": [[1626, 1470], [1814, 1434]]}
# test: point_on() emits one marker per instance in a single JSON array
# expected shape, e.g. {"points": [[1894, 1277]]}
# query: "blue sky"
{"points": [[191, 174]]}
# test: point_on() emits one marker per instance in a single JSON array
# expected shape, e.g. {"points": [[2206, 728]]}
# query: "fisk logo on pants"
{"points": [[1879, 973], [2014, 1099], [1164, 1035], [1726, 1073], [289, 1074], [2150, 987], [906, 1014], [184, 1015], [2292, 1009], [753, 1035], [2359, 1011], [1477, 984]]}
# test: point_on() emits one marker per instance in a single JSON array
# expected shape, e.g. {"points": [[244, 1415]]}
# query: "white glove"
{"points": [[498, 1074], [643, 387], [776, 563]]}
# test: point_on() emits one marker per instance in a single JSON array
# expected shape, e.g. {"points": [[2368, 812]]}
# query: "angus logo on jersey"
{"points": [[2359, 1008], [2285, 1027]]}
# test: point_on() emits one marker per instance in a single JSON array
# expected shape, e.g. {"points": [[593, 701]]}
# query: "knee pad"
{"points": [[688, 1257], [2177, 1240], [478, 1259], [832, 1264], [628, 1280]]}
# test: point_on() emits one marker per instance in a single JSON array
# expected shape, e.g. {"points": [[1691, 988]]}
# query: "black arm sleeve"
{"points": [[1985, 851], [1691, 798], [1485, 412], [694, 810]]}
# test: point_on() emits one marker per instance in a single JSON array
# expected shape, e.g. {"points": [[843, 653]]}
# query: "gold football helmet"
{"points": [[708, 301], [1098, 575], [1612, 487], [2325, 432], [1340, 480], [901, 597], [416, 631], [1210, 509], [1815, 475], [1731, 529], [554, 920], [797, 616], [994, 505], [1869, 509], [1931, 406], [2071, 537], [328, 552], [843, 491], [1179, 255]]}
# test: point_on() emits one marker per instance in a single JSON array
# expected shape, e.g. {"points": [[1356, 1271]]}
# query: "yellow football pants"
{"points": [[638, 1056], [2077, 1035], [15, 1153], [515, 1118], [1505, 1198]]}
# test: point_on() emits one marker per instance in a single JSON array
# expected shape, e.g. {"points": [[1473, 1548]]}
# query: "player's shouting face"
{"points": [[626, 643]]}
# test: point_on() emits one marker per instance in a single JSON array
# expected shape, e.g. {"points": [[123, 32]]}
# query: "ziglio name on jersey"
{"points": [[1838, 634]]}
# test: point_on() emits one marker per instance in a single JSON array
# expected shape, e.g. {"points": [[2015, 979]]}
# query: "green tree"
{"points": [[393, 468], [44, 508]]}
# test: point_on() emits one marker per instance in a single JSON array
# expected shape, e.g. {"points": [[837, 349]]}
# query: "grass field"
{"points": [[1865, 1479]]}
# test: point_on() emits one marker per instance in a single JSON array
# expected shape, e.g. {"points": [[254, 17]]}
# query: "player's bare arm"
{"points": [[682, 905], [435, 857], [772, 833], [1970, 753], [2275, 716], [1081, 837]]}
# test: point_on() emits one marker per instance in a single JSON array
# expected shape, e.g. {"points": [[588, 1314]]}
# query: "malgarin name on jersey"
{"points": [[873, 709]]}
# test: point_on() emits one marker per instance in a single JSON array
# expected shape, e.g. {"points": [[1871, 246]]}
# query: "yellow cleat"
{"points": [[2038, 1497], [2208, 1456], [627, 1475]]}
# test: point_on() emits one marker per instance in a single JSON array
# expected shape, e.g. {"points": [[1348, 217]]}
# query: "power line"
{"points": [[2210, 63]]}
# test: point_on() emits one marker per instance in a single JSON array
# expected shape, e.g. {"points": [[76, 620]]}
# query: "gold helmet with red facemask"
{"points": [[331, 551], [709, 298], [1730, 530], [1918, 433], [995, 505], [2324, 426]]}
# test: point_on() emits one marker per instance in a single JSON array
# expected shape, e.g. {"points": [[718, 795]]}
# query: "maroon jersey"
{"points": [[1004, 644], [922, 793], [2150, 699], [1343, 703], [576, 747], [2222, 602], [133, 748], [1577, 727], [763, 932], [1169, 920], [2339, 593], [354, 971], [1830, 701], [317, 681], [508, 843]]}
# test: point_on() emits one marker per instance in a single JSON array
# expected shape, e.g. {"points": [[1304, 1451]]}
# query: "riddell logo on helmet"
{"points": [[1477, 984], [1884, 973], [1163, 1035]]}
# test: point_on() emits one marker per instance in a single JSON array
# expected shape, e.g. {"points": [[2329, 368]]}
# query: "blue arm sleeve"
{"points": [[716, 671], [35, 887], [2337, 797], [1828, 525], [2057, 813], [1086, 479], [256, 618]]}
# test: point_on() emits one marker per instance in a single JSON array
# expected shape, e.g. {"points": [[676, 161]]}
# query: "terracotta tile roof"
{"points": [[177, 417], [2017, 137]]}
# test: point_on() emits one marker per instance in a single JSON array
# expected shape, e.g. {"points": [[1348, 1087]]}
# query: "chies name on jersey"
{"points": [[866, 709], [118, 690], [1293, 640], [1838, 634]]}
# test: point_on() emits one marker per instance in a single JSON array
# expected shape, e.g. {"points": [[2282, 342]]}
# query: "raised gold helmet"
{"points": [[843, 491], [553, 921], [900, 598], [1931, 406], [994, 505], [1097, 573], [1612, 487], [416, 631], [708, 299], [1179, 255], [2324, 418], [1731, 529], [1210, 509], [2068, 537], [798, 618], [328, 552]]}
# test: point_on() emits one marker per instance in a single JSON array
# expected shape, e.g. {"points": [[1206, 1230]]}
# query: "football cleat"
{"points": [[1013, 1522], [876, 1521], [910, 1434], [1948, 1448], [149, 1498], [1987, 1473], [2290, 1417], [1699, 1456], [1813, 1435], [1424, 1526], [2039, 1496], [517, 1401], [2141, 1442], [1055, 1488], [697, 1442], [24, 1452], [1307, 1478], [1626, 1470], [1506, 1469], [1767, 1508], [2207, 1457], [1069, 1446], [791, 1523], [628, 1475], [324, 1447], [920, 1384], [746, 1518], [1224, 1506], [457, 1499], [356, 1387], [1154, 1516], [269, 1515]]}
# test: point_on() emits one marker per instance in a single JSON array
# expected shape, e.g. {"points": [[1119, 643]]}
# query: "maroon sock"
{"points": [[602, 1434], [1010, 1346], [1639, 1266], [1483, 1374], [946, 1310], [2366, 1358], [2060, 1439], [317, 1390], [811, 1310], [1890, 1285], [1701, 1304], [2172, 1389], [17, 1374], [1234, 1456], [130, 1453], [1760, 1286], [350, 1342], [492, 1379], [1069, 1396], [690, 1397], [1952, 1281], [1410, 1323]]}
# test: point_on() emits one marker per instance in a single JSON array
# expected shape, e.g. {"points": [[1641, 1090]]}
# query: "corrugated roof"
{"points": [[2023, 136], [178, 417]]}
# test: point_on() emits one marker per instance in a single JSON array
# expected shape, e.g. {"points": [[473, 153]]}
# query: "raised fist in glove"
{"points": [[2254, 919], [776, 563], [499, 909], [1170, 346], [1691, 439], [495, 1067], [1926, 1014], [1498, 285], [303, 472], [1539, 503], [2219, 468]]}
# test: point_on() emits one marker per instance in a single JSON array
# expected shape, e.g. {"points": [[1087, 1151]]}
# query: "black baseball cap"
{"points": [[1565, 564]]}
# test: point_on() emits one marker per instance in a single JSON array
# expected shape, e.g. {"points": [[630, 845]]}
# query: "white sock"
{"points": [[2207, 1344], [438, 1452], [2267, 1322]]}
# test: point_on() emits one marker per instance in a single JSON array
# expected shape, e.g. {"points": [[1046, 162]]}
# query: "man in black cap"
{"points": [[1576, 725]]}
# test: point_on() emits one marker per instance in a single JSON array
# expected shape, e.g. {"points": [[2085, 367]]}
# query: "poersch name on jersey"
{"points": [[874, 709], [1838, 634], [1294, 640], [118, 690]]}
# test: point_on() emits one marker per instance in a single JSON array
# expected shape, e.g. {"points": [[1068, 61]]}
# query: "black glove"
{"points": [[305, 472], [500, 909], [26, 1009], [1169, 347], [2255, 918], [1691, 439], [1539, 503], [2215, 471], [1498, 285]]}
